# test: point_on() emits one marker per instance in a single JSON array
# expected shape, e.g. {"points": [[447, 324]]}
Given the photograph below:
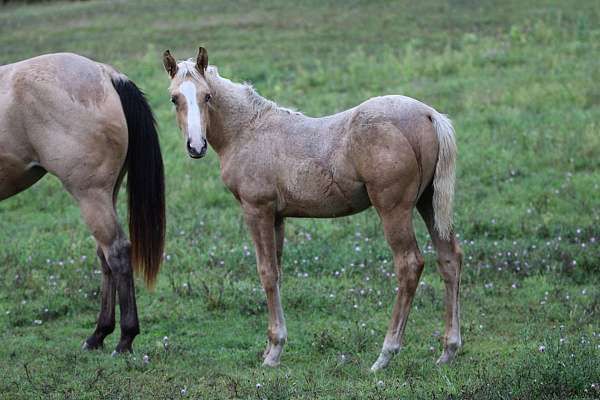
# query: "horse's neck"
{"points": [[233, 116]]}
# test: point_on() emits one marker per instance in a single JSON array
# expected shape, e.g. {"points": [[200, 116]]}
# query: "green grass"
{"points": [[519, 79]]}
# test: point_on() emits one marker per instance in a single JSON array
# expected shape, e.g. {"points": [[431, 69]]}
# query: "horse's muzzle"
{"points": [[193, 153]]}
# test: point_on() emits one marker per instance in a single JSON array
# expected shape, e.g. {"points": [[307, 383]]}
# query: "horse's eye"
{"points": [[174, 99], [207, 97]]}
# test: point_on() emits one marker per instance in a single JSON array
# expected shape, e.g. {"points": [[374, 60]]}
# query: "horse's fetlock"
{"points": [[130, 330], [277, 337], [390, 349], [106, 327], [453, 344]]}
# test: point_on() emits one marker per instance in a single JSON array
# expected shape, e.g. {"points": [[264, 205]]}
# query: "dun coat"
{"points": [[88, 125]]}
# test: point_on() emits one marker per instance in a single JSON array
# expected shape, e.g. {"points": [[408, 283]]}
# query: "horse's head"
{"points": [[191, 95]]}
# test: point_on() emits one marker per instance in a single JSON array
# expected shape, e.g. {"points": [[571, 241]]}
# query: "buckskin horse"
{"points": [[88, 125]]}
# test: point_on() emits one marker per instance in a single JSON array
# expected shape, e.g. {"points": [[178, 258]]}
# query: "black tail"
{"points": [[145, 182]]}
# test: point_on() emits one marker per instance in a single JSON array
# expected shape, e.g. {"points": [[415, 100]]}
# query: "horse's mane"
{"points": [[257, 104], [260, 104]]}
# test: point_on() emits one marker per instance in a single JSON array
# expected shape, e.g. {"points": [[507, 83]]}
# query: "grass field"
{"points": [[519, 79]]}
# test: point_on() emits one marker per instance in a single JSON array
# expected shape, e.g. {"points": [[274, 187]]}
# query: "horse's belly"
{"points": [[325, 200], [320, 211], [15, 176]]}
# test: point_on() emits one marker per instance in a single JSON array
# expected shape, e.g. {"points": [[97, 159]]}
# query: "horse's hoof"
{"points": [[87, 346], [449, 354], [272, 357], [384, 359], [118, 351], [267, 350], [445, 358], [270, 363], [124, 347], [381, 363]]}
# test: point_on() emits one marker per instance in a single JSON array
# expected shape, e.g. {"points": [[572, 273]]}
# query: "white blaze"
{"points": [[194, 117]]}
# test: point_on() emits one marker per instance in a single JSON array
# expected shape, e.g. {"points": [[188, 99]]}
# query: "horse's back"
{"points": [[66, 78], [62, 112], [391, 108]]}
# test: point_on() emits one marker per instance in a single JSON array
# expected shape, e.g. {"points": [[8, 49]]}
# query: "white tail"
{"points": [[443, 181]]}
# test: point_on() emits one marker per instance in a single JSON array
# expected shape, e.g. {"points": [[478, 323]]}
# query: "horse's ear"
{"points": [[202, 60], [169, 63]]}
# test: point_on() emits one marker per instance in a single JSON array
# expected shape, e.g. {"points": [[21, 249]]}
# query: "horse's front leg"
{"points": [[261, 222], [279, 239]]}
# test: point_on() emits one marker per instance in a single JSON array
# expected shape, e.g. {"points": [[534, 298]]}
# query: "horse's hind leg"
{"points": [[449, 266], [99, 213], [408, 262], [106, 319]]}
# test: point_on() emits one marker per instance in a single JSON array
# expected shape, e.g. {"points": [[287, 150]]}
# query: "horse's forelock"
{"points": [[187, 69]]}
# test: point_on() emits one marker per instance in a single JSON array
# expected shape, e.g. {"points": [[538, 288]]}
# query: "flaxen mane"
{"points": [[258, 105]]}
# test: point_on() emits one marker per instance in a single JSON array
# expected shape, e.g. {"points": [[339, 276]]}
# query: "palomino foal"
{"points": [[391, 152]]}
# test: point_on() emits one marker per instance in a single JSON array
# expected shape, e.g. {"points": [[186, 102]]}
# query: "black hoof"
{"points": [[92, 343], [123, 347]]}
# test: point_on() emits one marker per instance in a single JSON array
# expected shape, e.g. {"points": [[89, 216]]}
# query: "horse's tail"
{"points": [[443, 180], [145, 182]]}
